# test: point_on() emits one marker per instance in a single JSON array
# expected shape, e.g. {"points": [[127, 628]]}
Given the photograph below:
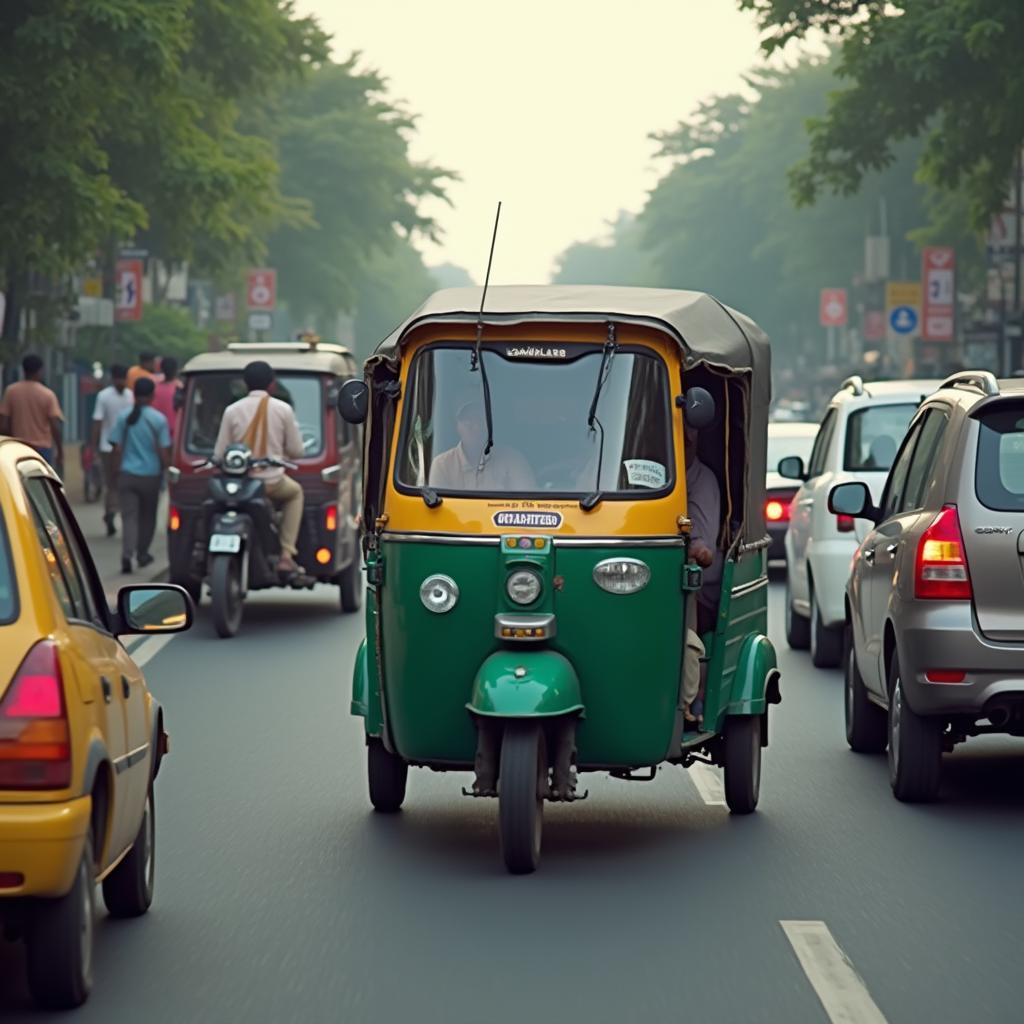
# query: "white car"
{"points": [[857, 440]]}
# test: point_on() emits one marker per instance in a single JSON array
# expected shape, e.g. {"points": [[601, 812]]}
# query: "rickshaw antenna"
{"points": [[483, 293], [477, 362]]}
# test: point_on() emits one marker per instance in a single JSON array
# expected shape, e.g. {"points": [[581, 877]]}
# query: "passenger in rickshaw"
{"points": [[466, 468]]}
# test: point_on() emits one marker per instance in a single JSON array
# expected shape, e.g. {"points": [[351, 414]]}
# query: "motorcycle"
{"points": [[243, 542]]}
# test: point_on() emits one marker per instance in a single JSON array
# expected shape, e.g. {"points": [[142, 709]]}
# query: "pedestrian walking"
{"points": [[113, 400], [142, 439], [29, 411], [145, 367], [166, 390]]}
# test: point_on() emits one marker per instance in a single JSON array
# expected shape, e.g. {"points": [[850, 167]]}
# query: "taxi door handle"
{"points": [[807, 503], [107, 689], [126, 687], [891, 549]]}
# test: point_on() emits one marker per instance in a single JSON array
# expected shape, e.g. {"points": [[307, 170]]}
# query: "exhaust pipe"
{"points": [[999, 715]]}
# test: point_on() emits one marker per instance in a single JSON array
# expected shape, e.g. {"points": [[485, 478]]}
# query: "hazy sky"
{"points": [[543, 104]]}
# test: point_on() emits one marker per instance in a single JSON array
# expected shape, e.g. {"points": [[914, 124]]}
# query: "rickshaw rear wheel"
{"points": [[387, 774], [742, 762], [522, 782], [350, 587]]}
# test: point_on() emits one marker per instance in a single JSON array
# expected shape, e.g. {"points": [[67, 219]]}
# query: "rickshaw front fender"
{"points": [[526, 684], [756, 670]]}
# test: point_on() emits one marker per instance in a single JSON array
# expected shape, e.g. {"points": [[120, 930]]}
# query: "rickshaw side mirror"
{"points": [[699, 408], [353, 401]]}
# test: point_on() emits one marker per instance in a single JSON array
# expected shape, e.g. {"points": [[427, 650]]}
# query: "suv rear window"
{"points": [[873, 436], [8, 582], [999, 473]]}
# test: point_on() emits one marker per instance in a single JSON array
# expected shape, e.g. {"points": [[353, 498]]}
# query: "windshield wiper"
{"points": [[607, 355]]}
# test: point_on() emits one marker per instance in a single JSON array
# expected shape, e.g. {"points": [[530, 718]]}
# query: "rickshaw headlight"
{"points": [[622, 575], [439, 594], [523, 586]]}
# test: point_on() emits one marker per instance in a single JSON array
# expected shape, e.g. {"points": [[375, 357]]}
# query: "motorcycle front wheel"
{"points": [[226, 594]]}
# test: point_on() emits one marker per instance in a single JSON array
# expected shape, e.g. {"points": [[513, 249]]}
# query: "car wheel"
{"points": [[60, 940], [866, 730], [915, 746], [388, 775], [826, 641], [742, 762], [798, 629], [128, 889]]}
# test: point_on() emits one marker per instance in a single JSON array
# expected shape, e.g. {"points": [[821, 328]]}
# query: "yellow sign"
{"points": [[92, 287], [903, 293]]}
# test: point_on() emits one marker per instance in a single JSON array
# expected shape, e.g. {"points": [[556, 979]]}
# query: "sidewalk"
{"points": [[106, 551]]}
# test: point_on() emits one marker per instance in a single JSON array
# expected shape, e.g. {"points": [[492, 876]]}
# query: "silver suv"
{"points": [[934, 639]]}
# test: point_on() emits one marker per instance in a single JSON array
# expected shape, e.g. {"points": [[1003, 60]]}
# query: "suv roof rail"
{"points": [[979, 380], [854, 383]]}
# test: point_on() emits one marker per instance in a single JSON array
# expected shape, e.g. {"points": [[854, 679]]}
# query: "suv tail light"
{"points": [[940, 571], [35, 740]]}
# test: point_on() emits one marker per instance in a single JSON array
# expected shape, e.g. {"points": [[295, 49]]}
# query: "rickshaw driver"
{"points": [[466, 468], [268, 427]]}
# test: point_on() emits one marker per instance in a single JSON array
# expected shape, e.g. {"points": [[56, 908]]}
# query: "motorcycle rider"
{"points": [[268, 428]]}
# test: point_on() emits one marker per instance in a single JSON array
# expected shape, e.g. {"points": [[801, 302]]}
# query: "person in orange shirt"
{"points": [[145, 367], [30, 412]]}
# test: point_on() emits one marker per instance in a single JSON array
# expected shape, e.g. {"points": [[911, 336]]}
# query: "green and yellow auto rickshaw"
{"points": [[530, 551]]}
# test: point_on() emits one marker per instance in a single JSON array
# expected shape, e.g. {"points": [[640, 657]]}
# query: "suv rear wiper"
{"points": [[607, 355]]}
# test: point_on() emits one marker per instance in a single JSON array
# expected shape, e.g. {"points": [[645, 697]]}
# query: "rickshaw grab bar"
{"points": [[594, 542]]}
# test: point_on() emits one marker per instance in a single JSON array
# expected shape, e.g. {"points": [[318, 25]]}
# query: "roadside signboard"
{"points": [[224, 308], [128, 282], [938, 274], [832, 307], [874, 325], [261, 290], [902, 309], [260, 321]]}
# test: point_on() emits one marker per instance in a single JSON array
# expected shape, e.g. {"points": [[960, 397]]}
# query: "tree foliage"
{"points": [[617, 259], [948, 71]]}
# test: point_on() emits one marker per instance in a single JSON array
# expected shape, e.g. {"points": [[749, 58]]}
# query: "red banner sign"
{"points": [[832, 308], [261, 290], [128, 284], [938, 279]]}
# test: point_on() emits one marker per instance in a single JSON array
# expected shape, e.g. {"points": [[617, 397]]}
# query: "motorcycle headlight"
{"points": [[622, 575], [523, 586], [236, 461], [439, 593]]}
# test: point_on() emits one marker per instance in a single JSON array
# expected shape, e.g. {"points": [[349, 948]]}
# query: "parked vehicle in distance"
{"points": [[784, 440], [934, 630], [308, 376], [857, 440], [81, 737]]}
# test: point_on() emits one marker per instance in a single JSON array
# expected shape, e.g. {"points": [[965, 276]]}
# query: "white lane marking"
{"points": [[835, 980], [709, 784], [149, 648]]}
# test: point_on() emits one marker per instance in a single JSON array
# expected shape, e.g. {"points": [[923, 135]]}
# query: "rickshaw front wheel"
{"points": [[742, 762], [387, 774], [522, 782]]}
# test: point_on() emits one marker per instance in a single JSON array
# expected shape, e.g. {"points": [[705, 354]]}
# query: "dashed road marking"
{"points": [[836, 982], [709, 784], [149, 648]]}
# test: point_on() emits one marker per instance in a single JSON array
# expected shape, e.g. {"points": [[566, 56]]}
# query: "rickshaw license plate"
{"points": [[225, 543]]}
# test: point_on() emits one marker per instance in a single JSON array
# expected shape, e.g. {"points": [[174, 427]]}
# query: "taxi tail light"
{"points": [[776, 509], [35, 739], [845, 524], [940, 570], [331, 518]]}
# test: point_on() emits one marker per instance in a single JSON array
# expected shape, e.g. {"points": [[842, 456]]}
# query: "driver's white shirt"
{"points": [[504, 469], [283, 438]]}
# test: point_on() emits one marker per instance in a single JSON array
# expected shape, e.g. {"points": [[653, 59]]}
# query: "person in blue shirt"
{"points": [[141, 437]]}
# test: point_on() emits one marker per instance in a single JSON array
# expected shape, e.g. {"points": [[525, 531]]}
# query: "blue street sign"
{"points": [[903, 319]]}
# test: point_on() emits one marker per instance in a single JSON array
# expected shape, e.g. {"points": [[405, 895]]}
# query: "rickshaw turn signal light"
{"points": [[173, 520], [622, 575], [323, 555], [35, 740], [940, 570], [331, 518]]}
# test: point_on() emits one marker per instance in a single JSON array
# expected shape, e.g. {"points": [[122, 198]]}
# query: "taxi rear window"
{"points": [[8, 582], [999, 474]]}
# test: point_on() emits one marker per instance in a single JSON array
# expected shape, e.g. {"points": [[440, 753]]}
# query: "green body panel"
{"points": [[626, 650], [360, 683], [526, 684], [365, 676], [757, 660]]}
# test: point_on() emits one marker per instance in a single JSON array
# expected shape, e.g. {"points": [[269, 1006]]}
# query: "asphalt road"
{"points": [[282, 897]]}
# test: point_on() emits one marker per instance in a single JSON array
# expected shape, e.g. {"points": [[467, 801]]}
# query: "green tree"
{"points": [[948, 71], [165, 330], [343, 149], [616, 259]]}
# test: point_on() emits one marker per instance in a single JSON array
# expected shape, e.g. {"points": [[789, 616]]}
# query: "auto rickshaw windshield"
{"points": [[541, 438]]}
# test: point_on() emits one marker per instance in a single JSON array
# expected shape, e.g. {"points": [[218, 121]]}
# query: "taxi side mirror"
{"points": [[852, 499], [698, 408], [792, 468], [153, 608], [353, 401]]}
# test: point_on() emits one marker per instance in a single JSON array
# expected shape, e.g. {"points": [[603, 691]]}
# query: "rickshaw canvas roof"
{"points": [[332, 359], [708, 331]]}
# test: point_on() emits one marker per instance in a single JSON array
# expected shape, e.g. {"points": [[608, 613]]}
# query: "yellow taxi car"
{"points": [[81, 738]]}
